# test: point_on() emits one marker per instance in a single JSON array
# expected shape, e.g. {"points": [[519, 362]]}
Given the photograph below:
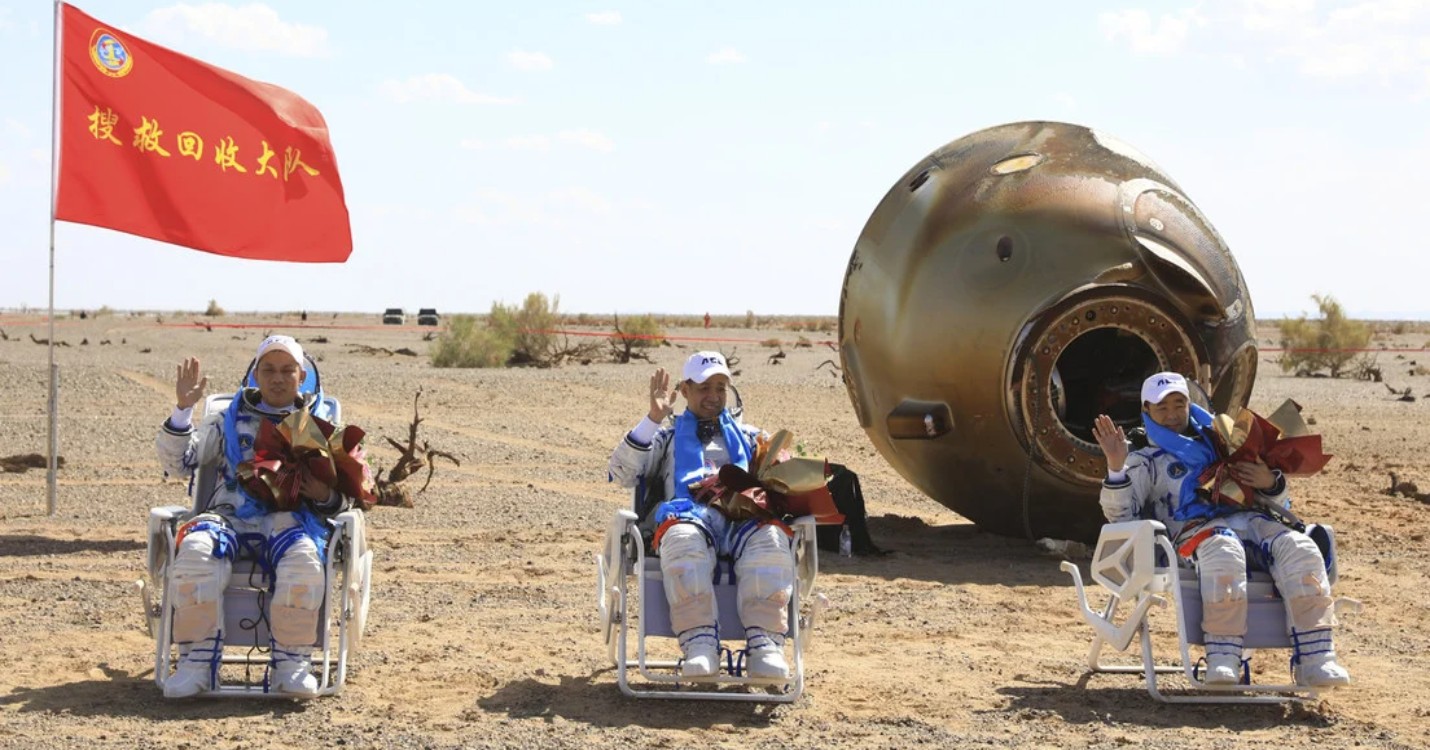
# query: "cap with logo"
{"points": [[1156, 388], [702, 365]]}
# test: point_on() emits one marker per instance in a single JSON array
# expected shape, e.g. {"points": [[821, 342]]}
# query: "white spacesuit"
{"points": [[290, 545], [689, 535]]}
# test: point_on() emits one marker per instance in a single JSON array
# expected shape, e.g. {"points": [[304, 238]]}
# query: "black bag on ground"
{"points": [[849, 499]]}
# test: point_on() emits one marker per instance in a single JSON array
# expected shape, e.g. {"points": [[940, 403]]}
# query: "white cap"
{"points": [[282, 343], [702, 365], [1156, 388]]}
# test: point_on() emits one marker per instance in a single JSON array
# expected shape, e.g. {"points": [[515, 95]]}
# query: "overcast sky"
{"points": [[624, 155]]}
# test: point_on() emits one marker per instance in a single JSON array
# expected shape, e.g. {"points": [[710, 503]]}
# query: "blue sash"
{"points": [[233, 448], [1195, 452], [689, 454]]}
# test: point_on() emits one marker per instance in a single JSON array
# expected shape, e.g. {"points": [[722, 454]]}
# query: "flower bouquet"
{"points": [[304, 445], [1283, 442], [778, 486]]}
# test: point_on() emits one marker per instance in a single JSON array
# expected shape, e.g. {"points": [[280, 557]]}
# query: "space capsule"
{"points": [[1010, 287]]}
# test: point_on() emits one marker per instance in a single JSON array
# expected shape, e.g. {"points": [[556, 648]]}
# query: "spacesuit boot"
{"points": [[766, 655], [195, 672], [1223, 659], [292, 673], [1314, 662], [700, 651]]}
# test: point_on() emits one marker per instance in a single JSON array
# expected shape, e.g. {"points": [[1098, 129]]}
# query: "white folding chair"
{"points": [[243, 607], [630, 593], [1137, 565]]}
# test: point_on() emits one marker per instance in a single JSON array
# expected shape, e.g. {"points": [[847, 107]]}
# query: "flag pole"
{"points": [[54, 396]]}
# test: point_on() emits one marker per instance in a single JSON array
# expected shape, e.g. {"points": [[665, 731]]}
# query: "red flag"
{"points": [[164, 146]]}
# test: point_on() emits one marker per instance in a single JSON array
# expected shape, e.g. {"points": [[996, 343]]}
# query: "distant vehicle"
{"points": [[394, 316], [427, 316]]}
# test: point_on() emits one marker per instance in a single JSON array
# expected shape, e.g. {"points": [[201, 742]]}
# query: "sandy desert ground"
{"points": [[482, 627]]}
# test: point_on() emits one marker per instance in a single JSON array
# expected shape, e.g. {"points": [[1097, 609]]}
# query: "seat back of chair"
{"points": [[206, 476]]}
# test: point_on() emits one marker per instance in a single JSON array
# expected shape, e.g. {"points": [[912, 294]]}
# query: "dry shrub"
{"points": [[1326, 343], [643, 331], [1366, 368], [466, 343], [214, 311], [532, 330], [803, 343], [770, 343], [636, 333]]}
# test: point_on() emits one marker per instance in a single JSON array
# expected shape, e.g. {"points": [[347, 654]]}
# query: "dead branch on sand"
{"points": [[365, 349], [413, 459]]}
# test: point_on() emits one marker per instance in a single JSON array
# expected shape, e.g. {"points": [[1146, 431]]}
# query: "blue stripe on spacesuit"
{"points": [[225, 541], [309, 527]]}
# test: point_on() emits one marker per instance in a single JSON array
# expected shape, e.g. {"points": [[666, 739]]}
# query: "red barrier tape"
{"points": [[601, 334]]}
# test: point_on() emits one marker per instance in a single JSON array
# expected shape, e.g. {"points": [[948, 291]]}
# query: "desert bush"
{"points": [[214, 311], [770, 343], [803, 343], [532, 330], [1325, 343], [749, 318], [640, 332], [103, 311], [643, 331], [1365, 367], [467, 343]]}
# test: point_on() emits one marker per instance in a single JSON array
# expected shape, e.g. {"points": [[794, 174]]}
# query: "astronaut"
{"points": [[289, 544], [1160, 481], [688, 535]]}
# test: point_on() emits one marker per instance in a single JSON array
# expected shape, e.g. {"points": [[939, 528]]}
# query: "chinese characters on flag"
{"points": [[161, 145]]}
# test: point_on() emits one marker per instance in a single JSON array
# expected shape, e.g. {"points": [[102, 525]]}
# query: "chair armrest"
{"points": [[162, 522], [1125, 558], [806, 553]]}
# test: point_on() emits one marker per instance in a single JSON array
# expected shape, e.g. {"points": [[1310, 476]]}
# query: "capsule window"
{"points": [[1005, 248]]}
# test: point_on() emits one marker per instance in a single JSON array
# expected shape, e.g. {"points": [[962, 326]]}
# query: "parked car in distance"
{"points": [[394, 316], [427, 316]]}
